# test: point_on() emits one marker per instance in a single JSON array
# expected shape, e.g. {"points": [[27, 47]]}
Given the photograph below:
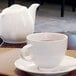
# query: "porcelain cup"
{"points": [[46, 50]]}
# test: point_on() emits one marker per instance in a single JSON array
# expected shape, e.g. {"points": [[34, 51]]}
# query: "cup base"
{"points": [[48, 69]]}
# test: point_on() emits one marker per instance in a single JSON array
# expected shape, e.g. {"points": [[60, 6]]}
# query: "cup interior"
{"points": [[46, 37]]}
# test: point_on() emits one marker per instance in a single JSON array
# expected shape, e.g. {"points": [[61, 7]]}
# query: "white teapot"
{"points": [[16, 22]]}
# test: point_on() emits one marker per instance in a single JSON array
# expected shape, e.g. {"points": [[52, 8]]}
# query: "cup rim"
{"points": [[30, 35]]}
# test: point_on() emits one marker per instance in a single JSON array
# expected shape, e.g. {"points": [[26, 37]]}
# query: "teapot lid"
{"points": [[14, 8]]}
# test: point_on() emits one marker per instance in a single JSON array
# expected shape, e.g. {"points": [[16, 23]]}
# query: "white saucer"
{"points": [[68, 64]]}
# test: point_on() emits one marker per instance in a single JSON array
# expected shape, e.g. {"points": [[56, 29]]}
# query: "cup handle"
{"points": [[25, 53]]}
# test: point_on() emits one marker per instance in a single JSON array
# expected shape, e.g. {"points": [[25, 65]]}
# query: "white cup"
{"points": [[46, 50]]}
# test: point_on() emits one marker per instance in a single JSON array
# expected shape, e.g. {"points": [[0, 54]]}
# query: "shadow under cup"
{"points": [[47, 50]]}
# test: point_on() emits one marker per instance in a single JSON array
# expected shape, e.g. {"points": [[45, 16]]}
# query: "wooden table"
{"points": [[8, 57]]}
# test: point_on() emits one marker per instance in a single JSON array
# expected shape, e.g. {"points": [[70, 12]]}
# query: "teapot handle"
{"points": [[0, 23], [2, 42]]}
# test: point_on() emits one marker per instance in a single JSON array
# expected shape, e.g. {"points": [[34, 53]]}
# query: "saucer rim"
{"points": [[51, 73], [14, 42]]}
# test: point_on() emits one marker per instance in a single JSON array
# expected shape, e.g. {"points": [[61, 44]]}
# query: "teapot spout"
{"points": [[32, 10]]}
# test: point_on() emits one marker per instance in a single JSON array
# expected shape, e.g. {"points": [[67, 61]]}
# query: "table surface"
{"points": [[8, 57]]}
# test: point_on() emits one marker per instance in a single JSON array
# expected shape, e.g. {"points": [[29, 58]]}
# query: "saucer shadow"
{"points": [[12, 45], [1, 41], [23, 73]]}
